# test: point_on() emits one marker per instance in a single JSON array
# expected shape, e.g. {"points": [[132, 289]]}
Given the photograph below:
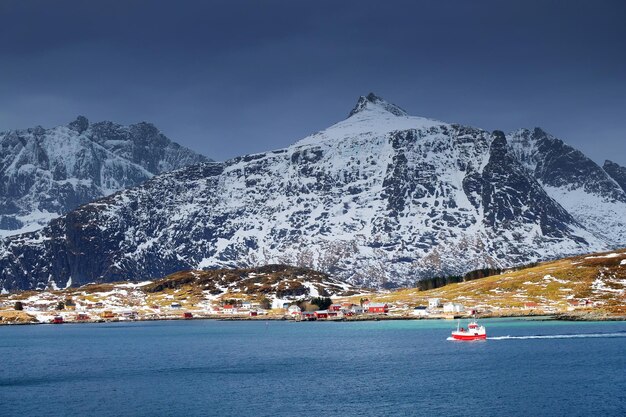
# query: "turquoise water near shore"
{"points": [[385, 368]]}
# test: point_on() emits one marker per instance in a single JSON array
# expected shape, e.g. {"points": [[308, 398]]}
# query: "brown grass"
{"points": [[571, 277], [16, 317]]}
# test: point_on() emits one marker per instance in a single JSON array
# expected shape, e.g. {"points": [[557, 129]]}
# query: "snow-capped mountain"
{"points": [[381, 198], [586, 190], [47, 172]]}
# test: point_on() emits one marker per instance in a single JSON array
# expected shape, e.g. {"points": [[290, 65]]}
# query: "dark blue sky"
{"points": [[232, 77]]}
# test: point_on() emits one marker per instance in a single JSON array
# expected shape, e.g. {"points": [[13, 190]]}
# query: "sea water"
{"points": [[275, 368]]}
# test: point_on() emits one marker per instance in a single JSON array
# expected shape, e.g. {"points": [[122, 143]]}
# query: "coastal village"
{"points": [[53, 308], [583, 287]]}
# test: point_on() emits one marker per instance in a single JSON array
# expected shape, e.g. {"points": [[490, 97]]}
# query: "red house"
{"points": [[254, 314], [57, 320], [82, 317], [334, 307], [579, 303], [321, 314], [307, 315], [187, 316], [377, 308]]}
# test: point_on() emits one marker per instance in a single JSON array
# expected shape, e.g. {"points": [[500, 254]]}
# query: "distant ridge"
{"points": [[45, 173]]}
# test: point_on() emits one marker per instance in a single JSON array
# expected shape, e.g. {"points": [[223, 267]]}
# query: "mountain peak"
{"points": [[49, 172], [80, 124], [373, 102], [609, 163]]}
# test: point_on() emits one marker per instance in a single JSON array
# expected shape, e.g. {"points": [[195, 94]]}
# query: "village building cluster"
{"points": [[436, 308], [337, 310], [54, 308], [126, 304]]}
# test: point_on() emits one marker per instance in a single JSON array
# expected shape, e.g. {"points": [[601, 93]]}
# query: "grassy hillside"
{"points": [[597, 280]]}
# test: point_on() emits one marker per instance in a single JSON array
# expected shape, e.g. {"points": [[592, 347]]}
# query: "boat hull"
{"points": [[469, 337]]}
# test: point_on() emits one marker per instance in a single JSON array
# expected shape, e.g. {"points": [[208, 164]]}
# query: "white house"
{"points": [[434, 303], [280, 303], [129, 314], [453, 308], [420, 311], [357, 309], [294, 310]]}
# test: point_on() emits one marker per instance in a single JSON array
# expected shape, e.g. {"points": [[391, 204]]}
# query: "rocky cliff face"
{"points": [[47, 172], [379, 199], [578, 184], [617, 172]]}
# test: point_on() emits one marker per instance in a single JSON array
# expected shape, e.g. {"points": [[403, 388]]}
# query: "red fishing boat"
{"points": [[473, 332]]}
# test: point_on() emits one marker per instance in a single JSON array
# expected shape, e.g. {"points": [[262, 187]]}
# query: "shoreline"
{"points": [[589, 317]]}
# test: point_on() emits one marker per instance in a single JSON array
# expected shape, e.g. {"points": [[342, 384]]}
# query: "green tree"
{"points": [[19, 306], [322, 302], [60, 305]]}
